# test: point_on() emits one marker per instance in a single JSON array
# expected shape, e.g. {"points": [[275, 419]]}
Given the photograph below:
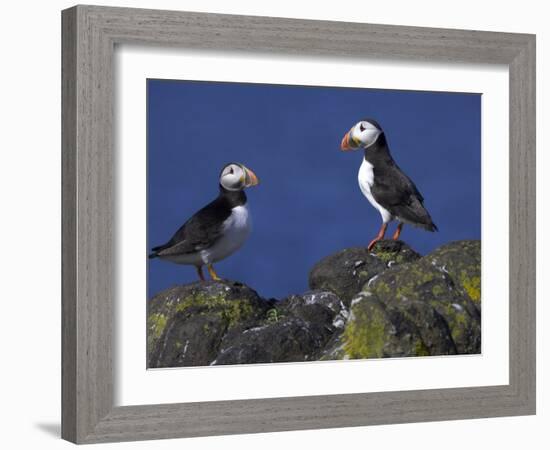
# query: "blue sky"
{"points": [[308, 204]]}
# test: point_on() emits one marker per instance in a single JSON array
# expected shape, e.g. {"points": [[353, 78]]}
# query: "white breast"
{"points": [[366, 180], [236, 230]]}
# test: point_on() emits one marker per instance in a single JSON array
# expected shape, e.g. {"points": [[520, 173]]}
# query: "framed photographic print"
{"points": [[306, 221], [277, 224]]}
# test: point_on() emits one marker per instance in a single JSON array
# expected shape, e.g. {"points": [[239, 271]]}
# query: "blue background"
{"points": [[308, 203]]}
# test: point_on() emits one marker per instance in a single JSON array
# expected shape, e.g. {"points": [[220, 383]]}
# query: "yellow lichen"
{"points": [[472, 286], [437, 290], [366, 335], [232, 311], [420, 349], [157, 322]]}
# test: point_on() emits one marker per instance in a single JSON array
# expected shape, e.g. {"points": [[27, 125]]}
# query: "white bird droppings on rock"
{"points": [[372, 280], [339, 322]]}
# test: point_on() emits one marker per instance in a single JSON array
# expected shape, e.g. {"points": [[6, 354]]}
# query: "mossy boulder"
{"points": [[186, 324], [212, 323], [344, 272], [295, 329], [289, 340], [461, 260], [394, 252], [334, 349], [316, 306], [389, 302], [414, 309], [376, 331]]}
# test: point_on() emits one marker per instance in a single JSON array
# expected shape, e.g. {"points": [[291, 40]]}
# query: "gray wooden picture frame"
{"points": [[90, 34]]}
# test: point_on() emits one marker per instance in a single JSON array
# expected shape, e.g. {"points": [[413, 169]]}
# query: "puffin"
{"points": [[216, 231], [385, 185]]}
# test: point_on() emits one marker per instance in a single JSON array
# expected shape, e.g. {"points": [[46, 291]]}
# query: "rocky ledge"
{"points": [[391, 302]]}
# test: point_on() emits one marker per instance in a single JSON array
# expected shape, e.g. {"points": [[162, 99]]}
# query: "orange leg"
{"points": [[199, 271], [379, 236], [213, 273], [398, 231]]}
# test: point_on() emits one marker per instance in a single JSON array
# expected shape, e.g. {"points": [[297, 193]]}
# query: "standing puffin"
{"points": [[386, 187], [217, 230]]}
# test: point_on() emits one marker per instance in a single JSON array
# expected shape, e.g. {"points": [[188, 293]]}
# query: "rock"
{"points": [[186, 324], [374, 332], [334, 349], [320, 307], [289, 340], [345, 272], [415, 309], [462, 261], [296, 329], [390, 302], [394, 252]]}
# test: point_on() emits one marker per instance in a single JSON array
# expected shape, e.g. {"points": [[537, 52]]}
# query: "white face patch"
{"points": [[365, 133], [232, 177]]}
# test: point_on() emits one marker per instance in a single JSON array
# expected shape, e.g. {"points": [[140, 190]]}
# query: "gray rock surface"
{"points": [[413, 309], [296, 329], [390, 302], [186, 324], [346, 271]]}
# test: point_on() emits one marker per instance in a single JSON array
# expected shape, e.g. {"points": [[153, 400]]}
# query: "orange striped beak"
{"points": [[250, 177], [347, 143]]}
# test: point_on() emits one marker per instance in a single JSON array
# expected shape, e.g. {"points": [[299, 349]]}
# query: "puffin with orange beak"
{"points": [[385, 185], [217, 230]]}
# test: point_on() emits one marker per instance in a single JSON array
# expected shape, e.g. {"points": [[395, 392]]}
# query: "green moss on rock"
{"points": [[461, 260], [156, 323], [187, 323], [232, 311], [394, 252], [389, 302], [420, 349], [366, 333], [439, 311], [378, 330], [472, 286]]}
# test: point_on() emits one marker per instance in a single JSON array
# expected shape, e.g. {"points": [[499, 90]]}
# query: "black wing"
{"points": [[396, 192], [201, 231]]}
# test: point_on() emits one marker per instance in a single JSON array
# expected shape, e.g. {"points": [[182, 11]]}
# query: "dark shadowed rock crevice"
{"points": [[390, 302]]}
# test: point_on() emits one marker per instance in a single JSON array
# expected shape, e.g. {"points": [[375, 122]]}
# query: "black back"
{"points": [[394, 190], [204, 228]]}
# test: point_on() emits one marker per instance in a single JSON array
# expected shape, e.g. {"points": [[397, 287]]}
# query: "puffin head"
{"points": [[236, 177], [362, 135]]}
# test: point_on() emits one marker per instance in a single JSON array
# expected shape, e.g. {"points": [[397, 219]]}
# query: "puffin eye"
{"points": [[231, 171], [362, 127]]}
